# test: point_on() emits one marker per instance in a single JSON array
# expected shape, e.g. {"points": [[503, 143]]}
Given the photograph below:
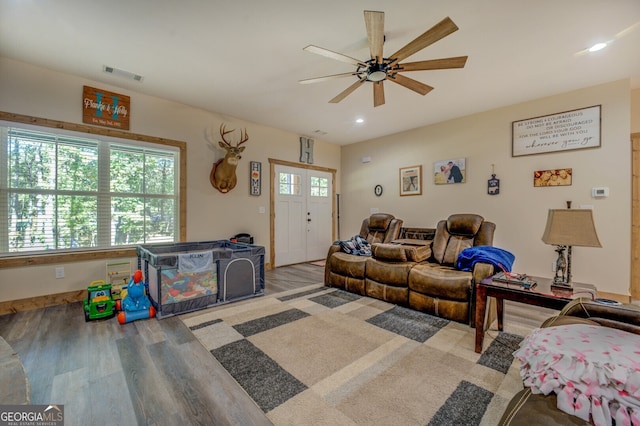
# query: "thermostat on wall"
{"points": [[599, 192]]}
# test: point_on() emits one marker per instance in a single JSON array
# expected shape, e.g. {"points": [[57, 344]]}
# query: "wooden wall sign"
{"points": [[576, 129], [104, 108], [255, 185]]}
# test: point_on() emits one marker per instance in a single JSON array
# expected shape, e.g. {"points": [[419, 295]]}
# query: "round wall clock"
{"points": [[378, 190]]}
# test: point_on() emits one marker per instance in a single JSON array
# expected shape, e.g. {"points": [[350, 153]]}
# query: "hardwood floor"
{"points": [[150, 372], [147, 372]]}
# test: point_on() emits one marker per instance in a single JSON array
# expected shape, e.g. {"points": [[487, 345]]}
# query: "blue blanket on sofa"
{"points": [[499, 258]]}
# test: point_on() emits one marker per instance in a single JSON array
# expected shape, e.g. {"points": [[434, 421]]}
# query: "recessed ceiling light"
{"points": [[597, 46], [360, 120]]}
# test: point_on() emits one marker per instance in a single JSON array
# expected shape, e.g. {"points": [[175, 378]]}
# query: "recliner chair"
{"points": [[347, 271], [436, 286]]}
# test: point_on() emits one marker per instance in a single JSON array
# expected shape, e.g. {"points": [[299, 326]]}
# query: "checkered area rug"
{"points": [[319, 355]]}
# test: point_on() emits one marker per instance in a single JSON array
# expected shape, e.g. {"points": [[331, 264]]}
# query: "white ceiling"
{"points": [[244, 58]]}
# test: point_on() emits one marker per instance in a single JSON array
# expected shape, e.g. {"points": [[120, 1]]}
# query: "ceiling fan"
{"points": [[379, 68]]}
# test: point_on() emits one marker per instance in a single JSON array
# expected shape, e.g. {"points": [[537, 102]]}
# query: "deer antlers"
{"points": [[244, 136]]}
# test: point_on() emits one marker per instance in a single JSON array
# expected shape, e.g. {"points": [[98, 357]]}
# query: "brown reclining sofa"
{"points": [[419, 275]]}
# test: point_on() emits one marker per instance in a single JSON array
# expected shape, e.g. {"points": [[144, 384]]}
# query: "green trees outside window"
{"points": [[61, 192]]}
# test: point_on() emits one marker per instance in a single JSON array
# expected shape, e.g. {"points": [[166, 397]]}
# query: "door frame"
{"points": [[634, 287], [272, 188]]}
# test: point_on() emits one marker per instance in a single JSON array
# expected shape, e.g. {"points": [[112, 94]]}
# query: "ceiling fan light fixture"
{"points": [[380, 68], [376, 71], [376, 75]]}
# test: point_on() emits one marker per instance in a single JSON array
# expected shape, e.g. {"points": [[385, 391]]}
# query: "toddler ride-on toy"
{"points": [[99, 303], [134, 304]]}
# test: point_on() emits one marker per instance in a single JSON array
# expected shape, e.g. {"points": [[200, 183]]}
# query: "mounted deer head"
{"points": [[223, 174]]}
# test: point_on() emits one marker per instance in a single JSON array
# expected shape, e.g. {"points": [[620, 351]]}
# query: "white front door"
{"points": [[303, 221]]}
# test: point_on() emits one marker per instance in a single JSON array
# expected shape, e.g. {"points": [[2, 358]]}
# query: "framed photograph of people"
{"points": [[449, 171], [411, 180]]}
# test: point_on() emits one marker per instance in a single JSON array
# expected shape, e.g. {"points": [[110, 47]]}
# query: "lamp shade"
{"points": [[571, 227]]}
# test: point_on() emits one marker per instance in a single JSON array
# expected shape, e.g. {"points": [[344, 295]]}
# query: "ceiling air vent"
{"points": [[122, 73]]}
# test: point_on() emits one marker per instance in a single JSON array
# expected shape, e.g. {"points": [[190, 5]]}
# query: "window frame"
{"points": [[27, 259]]}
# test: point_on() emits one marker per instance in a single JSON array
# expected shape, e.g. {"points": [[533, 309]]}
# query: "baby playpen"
{"points": [[185, 277]]}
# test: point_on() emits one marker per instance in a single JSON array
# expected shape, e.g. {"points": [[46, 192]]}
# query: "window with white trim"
{"points": [[60, 191]]}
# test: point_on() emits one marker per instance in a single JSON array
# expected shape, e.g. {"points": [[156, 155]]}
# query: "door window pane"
{"points": [[319, 187], [290, 184]]}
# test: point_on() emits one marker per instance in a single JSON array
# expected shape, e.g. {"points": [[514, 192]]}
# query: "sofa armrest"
{"points": [[529, 409], [587, 308], [333, 248], [625, 316], [481, 271]]}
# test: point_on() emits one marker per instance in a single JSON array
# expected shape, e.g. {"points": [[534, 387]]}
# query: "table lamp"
{"points": [[567, 228]]}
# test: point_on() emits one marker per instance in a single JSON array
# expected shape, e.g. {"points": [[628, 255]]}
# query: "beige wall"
{"points": [[30, 90], [483, 139], [520, 209]]}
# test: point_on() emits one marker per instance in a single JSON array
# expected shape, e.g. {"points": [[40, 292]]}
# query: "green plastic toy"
{"points": [[99, 303]]}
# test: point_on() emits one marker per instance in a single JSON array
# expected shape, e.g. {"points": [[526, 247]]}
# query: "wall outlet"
{"points": [[59, 272], [553, 266]]}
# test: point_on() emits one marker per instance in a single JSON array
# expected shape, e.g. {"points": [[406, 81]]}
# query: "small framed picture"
{"points": [[557, 177], [449, 171], [411, 180]]}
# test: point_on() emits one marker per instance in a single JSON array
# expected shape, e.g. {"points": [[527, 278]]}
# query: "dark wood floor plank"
{"points": [[176, 331], [231, 405], [79, 342], [110, 401], [43, 354], [150, 397], [192, 400], [73, 390]]}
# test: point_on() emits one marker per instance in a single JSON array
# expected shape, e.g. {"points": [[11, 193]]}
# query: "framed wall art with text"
{"points": [[564, 131]]}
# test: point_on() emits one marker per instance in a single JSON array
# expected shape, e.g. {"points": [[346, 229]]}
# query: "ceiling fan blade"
{"points": [[328, 77], [347, 92], [434, 64], [334, 55], [378, 94], [375, 33], [411, 84], [435, 33]]}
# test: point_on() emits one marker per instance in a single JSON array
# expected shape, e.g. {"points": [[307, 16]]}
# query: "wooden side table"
{"points": [[540, 295]]}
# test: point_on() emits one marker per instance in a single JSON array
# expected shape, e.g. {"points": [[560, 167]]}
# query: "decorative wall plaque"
{"points": [[577, 129], [104, 108], [255, 185]]}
